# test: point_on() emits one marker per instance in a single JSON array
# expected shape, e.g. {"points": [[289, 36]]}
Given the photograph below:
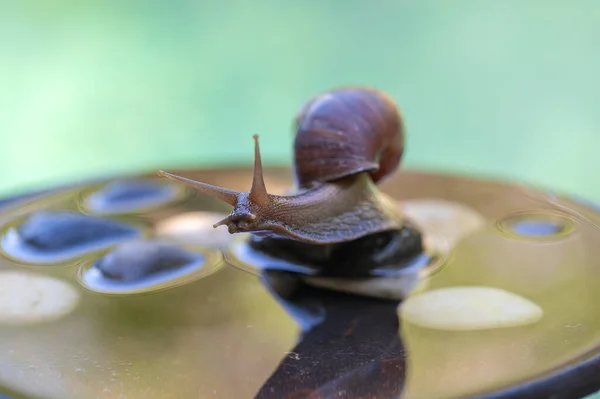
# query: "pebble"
{"points": [[59, 231], [135, 260], [449, 220], [195, 228], [469, 308], [130, 195], [27, 298]]}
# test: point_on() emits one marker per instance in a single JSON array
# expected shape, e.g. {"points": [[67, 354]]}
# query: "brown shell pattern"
{"points": [[347, 131]]}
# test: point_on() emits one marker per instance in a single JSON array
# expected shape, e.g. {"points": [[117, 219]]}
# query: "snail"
{"points": [[347, 140]]}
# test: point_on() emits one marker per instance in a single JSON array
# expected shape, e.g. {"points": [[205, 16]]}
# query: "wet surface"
{"points": [[152, 302]]}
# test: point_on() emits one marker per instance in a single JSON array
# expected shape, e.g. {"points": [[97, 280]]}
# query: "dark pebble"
{"points": [[135, 260], [358, 258], [134, 190], [59, 231]]}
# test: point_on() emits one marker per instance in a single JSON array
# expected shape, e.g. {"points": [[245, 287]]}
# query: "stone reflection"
{"points": [[349, 346]]}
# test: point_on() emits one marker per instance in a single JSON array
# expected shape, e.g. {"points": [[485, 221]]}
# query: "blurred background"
{"points": [[505, 89]]}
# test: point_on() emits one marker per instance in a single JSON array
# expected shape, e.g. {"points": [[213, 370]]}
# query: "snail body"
{"points": [[347, 140]]}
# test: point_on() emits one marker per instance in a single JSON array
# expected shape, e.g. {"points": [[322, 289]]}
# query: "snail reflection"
{"points": [[349, 345]]}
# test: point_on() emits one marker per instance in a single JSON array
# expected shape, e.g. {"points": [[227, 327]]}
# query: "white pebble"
{"points": [[450, 220], [469, 308], [27, 298], [195, 228]]}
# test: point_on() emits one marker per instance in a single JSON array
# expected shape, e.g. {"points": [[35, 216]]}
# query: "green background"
{"points": [[500, 88], [496, 88]]}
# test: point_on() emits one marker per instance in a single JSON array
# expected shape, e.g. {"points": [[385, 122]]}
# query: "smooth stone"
{"points": [[27, 298], [195, 228], [129, 195], [135, 260], [450, 221], [59, 231], [469, 308]]}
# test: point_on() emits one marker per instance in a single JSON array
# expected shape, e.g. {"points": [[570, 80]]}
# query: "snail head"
{"points": [[248, 207]]}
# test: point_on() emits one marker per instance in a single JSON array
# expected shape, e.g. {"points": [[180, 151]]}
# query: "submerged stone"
{"points": [[357, 258], [61, 231], [135, 260], [129, 195]]}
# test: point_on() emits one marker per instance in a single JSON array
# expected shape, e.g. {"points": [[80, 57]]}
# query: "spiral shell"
{"points": [[347, 131]]}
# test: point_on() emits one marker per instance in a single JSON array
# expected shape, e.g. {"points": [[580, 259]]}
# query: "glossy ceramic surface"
{"points": [[231, 328]]}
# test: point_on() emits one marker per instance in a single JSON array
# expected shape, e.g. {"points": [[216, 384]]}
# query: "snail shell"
{"points": [[347, 131]]}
